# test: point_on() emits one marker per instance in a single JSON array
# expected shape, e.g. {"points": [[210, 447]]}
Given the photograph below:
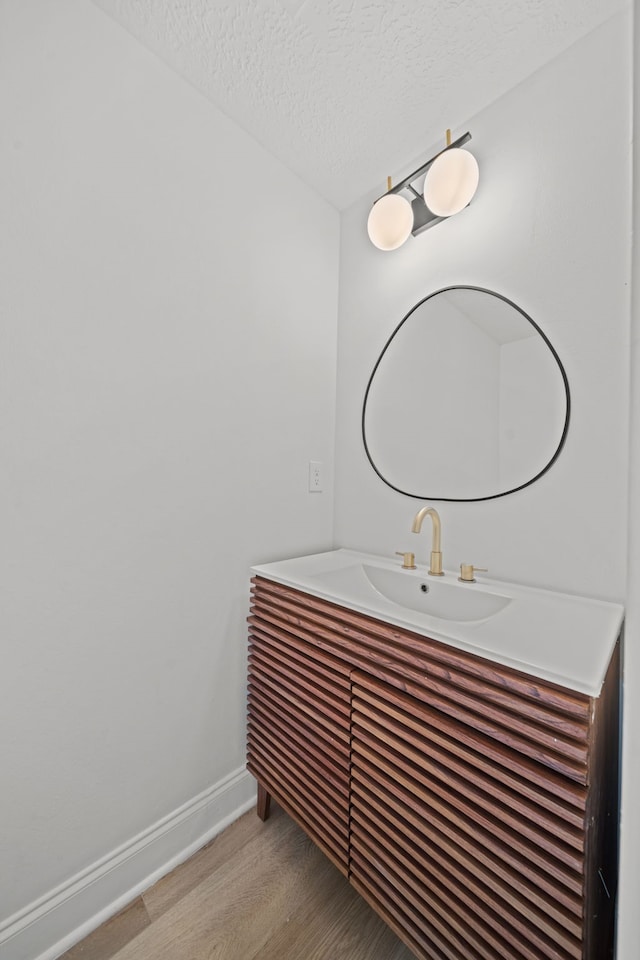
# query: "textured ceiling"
{"points": [[346, 91]]}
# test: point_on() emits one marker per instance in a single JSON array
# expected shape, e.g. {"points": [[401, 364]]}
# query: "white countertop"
{"points": [[563, 638]]}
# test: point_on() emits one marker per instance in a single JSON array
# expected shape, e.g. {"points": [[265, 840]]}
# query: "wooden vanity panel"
{"points": [[327, 808], [298, 740], [301, 696], [310, 817], [473, 806], [420, 789], [538, 719], [471, 920], [320, 743], [562, 798], [440, 756], [328, 671], [307, 768], [454, 813], [434, 839], [603, 815]]}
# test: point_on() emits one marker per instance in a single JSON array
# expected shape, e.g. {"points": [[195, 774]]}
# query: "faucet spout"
{"points": [[435, 566]]}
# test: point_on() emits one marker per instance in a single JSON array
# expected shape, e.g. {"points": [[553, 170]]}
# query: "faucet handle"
{"points": [[467, 571], [408, 560]]}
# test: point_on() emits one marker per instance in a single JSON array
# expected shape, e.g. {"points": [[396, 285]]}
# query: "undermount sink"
{"points": [[414, 590]]}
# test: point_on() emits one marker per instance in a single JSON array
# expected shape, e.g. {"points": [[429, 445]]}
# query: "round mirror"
{"points": [[467, 401]]}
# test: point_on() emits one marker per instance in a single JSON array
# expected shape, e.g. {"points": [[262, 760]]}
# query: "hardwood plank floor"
{"points": [[258, 890]]}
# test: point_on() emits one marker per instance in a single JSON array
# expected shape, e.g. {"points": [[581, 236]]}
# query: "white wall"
{"points": [[628, 920], [168, 306], [538, 233]]}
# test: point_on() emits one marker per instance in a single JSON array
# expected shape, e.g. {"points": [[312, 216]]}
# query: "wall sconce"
{"points": [[449, 185]]}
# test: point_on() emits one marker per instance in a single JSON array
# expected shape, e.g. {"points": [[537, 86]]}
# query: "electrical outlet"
{"points": [[315, 476]]}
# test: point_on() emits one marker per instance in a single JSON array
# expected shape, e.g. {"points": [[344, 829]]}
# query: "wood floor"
{"points": [[258, 890]]}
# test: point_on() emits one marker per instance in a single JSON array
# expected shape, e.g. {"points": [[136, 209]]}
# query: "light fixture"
{"points": [[450, 183], [390, 221]]}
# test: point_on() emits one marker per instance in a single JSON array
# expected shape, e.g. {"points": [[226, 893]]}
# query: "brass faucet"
{"points": [[435, 566]]}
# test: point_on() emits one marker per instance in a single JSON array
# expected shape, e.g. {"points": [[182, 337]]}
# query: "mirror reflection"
{"points": [[467, 401]]}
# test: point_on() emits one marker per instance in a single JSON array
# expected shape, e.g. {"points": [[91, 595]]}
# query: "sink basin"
{"points": [[447, 601], [415, 591]]}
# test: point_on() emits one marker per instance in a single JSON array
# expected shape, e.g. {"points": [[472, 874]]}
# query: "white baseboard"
{"points": [[46, 928]]}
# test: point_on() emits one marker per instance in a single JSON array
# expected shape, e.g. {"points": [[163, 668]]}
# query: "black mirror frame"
{"points": [[495, 496]]}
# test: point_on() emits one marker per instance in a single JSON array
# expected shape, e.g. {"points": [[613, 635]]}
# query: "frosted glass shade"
{"points": [[390, 222], [451, 181]]}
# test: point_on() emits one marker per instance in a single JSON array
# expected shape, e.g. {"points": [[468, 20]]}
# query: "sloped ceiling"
{"points": [[346, 91]]}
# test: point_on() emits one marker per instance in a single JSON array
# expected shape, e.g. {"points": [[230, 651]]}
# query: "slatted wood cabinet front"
{"points": [[474, 807]]}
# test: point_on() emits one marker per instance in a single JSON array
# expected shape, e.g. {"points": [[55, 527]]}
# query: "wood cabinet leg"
{"points": [[264, 802]]}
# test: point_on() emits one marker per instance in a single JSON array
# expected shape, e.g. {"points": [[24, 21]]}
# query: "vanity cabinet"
{"points": [[473, 806]]}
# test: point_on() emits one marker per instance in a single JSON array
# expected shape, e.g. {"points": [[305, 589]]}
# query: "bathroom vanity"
{"points": [[460, 778]]}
